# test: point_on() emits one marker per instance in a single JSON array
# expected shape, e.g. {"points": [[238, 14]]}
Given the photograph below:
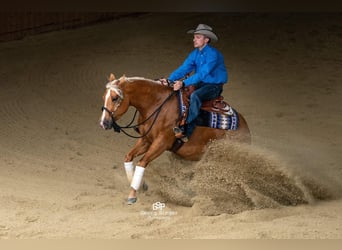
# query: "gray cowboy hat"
{"points": [[204, 30]]}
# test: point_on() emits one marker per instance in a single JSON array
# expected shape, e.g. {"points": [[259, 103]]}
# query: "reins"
{"points": [[117, 128]]}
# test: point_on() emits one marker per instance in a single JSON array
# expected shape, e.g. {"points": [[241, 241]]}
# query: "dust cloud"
{"points": [[232, 178]]}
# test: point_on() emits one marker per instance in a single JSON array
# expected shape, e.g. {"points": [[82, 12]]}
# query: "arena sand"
{"points": [[61, 175]]}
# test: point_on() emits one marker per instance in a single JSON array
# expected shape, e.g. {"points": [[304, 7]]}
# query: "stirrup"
{"points": [[179, 134]]}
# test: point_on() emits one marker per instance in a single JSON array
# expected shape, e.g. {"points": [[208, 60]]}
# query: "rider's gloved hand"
{"points": [[177, 85]]}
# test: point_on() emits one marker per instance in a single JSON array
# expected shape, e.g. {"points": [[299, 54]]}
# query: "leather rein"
{"points": [[117, 128]]}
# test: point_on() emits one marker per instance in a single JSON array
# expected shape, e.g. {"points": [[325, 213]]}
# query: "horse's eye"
{"points": [[114, 99]]}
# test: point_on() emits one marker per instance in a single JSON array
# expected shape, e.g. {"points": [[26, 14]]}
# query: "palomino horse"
{"points": [[158, 110]]}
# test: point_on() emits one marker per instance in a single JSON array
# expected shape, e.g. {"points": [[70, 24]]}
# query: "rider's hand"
{"points": [[177, 85]]}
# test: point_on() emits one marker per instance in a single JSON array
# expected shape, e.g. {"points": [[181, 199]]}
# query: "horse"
{"points": [[158, 108]]}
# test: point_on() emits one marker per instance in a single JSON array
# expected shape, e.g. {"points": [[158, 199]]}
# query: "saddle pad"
{"points": [[217, 120], [212, 119]]}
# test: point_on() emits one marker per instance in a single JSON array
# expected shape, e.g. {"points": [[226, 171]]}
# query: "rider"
{"points": [[209, 75]]}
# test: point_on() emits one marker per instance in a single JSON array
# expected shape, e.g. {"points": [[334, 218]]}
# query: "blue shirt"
{"points": [[207, 64]]}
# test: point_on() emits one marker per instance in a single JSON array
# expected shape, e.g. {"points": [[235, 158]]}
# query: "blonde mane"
{"points": [[114, 84], [137, 78]]}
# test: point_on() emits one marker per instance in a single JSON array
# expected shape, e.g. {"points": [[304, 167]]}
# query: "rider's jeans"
{"points": [[203, 92]]}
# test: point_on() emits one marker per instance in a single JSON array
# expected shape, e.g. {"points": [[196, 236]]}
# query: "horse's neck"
{"points": [[146, 97]]}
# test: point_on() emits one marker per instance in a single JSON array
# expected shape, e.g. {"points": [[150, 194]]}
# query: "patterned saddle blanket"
{"points": [[218, 120], [214, 114]]}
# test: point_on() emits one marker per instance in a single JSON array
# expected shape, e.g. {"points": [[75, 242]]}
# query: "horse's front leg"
{"points": [[156, 149], [140, 147]]}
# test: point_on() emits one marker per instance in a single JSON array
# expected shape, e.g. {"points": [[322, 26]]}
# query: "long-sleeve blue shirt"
{"points": [[207, 64]]}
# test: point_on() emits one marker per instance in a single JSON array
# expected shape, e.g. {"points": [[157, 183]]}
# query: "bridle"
{"points": [[117, 128]]}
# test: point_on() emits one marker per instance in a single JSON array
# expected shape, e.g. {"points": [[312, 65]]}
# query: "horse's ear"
{"points": [[111, 77], [122, 78]]}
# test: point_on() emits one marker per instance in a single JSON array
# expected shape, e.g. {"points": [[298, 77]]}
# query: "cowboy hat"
{"points": [[204, 30]]}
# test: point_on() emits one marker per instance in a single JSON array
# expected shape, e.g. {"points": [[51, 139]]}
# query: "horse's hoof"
{"points": [[131, 201], [145, 186]]}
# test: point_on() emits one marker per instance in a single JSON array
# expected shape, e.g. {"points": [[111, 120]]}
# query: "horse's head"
{"points": [[114, 104]]}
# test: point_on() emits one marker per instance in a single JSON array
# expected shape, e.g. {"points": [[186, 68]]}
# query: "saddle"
{"points": [[216, 105], [216, 113]]}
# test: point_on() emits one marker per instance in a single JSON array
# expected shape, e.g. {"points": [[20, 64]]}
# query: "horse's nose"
{"points": [[102, 125], [106, 124]]}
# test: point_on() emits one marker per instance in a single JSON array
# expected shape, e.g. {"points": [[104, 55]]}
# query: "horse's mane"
{"points": [[137, 78], [115, 82], [114, 85]]}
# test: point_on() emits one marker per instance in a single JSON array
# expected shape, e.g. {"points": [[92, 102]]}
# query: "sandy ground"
{"points": [[61, 175]]}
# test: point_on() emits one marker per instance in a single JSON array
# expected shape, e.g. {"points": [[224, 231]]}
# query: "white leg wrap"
{"points": [[129, 170], [138, 175]]}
